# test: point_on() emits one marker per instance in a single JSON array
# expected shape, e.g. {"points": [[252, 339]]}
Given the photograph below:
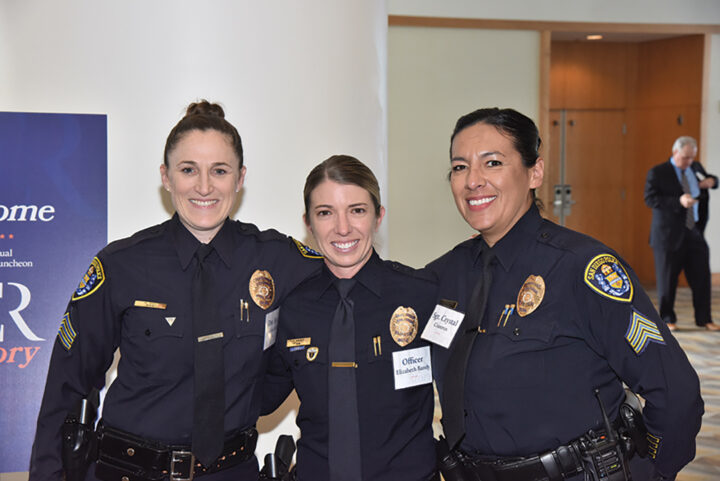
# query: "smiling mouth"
{"points": [[343, 246], [203, 203], [484, 200]]}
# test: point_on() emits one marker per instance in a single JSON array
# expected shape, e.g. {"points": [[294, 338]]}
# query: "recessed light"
{"points": [[593, 37]]}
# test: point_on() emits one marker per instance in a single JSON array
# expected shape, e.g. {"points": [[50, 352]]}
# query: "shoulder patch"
{"points": [[307, 251], [91, 281], [605, 275], [641, 332], [66, 333]]}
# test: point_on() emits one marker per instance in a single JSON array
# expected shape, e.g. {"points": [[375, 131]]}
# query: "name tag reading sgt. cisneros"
{"points": [[412, 367], [442, 326]]}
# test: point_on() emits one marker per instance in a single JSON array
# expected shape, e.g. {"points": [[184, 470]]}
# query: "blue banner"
{"points": [[53, 219]]}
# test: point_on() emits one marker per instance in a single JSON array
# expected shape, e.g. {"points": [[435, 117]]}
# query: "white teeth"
{"points": [[203, 203], [344, 245], [482, 201]]}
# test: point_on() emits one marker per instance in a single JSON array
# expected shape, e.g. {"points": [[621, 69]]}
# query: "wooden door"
{"points": [[594, 167]]}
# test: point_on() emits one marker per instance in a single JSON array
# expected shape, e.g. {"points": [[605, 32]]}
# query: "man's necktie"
{"points": [[453, 408], [343, 421], [209, 381], [690, 211]]}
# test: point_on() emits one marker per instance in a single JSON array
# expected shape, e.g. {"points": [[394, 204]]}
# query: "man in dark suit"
{"points": [[677, 192]]}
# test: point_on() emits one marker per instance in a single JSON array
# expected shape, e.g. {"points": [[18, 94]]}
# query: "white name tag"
{"points": [[271, 324], [442, 326], [412, 367]]}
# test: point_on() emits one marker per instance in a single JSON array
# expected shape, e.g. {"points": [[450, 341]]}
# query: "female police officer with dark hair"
{"points": [[551, 324], [349, 342], [192, 306]]}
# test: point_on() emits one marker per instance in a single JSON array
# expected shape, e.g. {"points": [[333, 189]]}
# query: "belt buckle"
{"points": [[182, 458]]}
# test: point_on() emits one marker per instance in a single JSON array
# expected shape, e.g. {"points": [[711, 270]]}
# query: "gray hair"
{"points": [[682, 142]]}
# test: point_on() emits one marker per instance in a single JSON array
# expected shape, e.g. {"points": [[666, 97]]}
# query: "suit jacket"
{"points": [[662, 195]]}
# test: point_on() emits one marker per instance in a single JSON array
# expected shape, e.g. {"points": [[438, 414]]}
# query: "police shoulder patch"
{"points": [[605, 275], [307, 251], [66, 333], [641, 332], [91, 281]]}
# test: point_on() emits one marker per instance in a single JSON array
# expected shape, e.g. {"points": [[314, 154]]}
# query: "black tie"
{"points": [[453, 408], [343, 422], [209, 381], [690, 211]]}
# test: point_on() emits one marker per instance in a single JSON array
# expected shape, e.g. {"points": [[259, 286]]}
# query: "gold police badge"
{"points": [[531, 295], [403, 325], [262, 288]]}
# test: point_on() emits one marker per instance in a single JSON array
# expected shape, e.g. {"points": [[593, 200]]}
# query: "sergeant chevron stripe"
{"points": [[66, 334], [641, 332]]}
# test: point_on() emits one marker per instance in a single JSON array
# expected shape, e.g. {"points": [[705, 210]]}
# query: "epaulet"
{"points": [[423, 274], [307, 251], [563, 238], [136, 238], [269, 235]]}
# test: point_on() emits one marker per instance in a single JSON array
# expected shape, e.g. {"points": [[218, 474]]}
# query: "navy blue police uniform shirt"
{"points": [[535, 364], [395, 425], [137, 297]]}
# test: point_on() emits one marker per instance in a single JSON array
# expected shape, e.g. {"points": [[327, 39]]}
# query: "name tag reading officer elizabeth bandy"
{"points": [[442, 326], [412, 367]]}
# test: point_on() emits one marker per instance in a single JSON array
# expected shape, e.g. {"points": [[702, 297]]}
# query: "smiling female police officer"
{"points": [[349, 343], [191, 304], [554, 324]]}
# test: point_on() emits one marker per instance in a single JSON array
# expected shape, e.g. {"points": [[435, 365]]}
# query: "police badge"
{"points": [[403, 325], [531, 295], [605, 275], [262, 288]]}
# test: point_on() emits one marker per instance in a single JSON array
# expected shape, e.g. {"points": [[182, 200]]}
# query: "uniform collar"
{"points": [[512, 245], [186, 244], [369, 276]]}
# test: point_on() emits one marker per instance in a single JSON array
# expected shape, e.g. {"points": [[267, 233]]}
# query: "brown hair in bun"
{"points": [[204, 115]]}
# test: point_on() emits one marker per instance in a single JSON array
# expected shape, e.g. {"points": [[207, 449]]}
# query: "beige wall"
{"points": [[435, 75]]}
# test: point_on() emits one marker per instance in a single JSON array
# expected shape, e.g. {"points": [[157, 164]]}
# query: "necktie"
{"points": [[343, 422], [209, 381], [453, 416], [690, 211]]}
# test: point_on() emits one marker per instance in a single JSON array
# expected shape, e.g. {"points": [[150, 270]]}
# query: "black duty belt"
{"points": [[556, 465], [124, 456]]}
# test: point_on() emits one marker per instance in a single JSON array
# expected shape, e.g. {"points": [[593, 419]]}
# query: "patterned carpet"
{"points": [[703, 350]]}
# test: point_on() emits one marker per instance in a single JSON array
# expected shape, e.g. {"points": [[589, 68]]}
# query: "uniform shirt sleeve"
{"points": [[648, 359], [82, 353]]}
